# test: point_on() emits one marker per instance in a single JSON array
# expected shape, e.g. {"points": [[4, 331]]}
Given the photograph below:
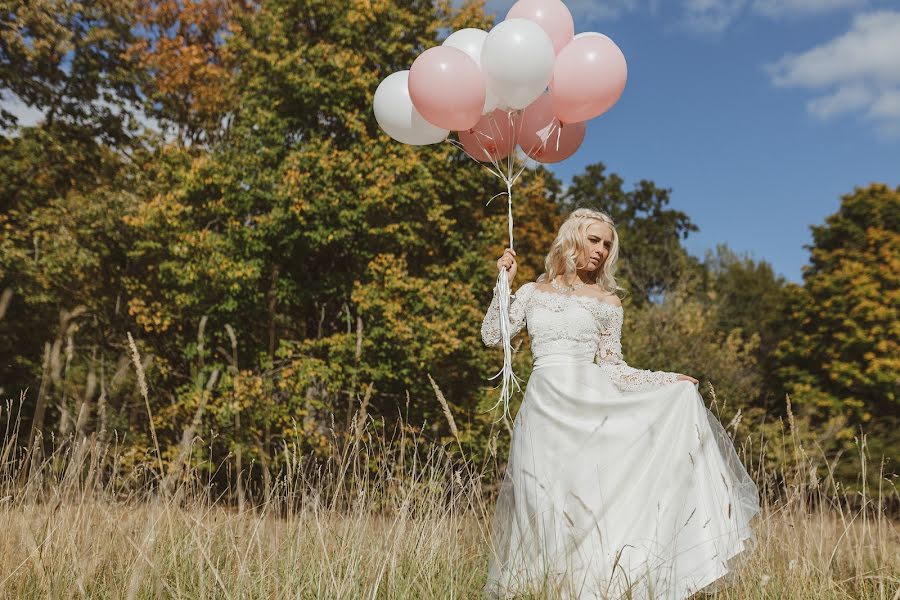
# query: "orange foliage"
{"points": [[184, 53]]}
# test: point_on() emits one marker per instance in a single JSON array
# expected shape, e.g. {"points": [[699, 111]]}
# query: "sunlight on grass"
{"points": [[384, 517]]}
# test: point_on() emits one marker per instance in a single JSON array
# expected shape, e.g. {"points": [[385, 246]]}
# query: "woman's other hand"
{"points": [[508, 262], [688, 378]]}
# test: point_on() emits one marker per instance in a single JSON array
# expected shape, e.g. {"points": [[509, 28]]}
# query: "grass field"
{"points": [[389, 518]]}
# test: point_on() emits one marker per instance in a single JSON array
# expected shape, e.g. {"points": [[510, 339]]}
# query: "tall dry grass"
{"points": [[386, 516]]}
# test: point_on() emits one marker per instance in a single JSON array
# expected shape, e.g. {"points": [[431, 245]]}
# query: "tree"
{"points": [[61, 188], [683, 334], [333, 252], [841, 356], [844, 318], [749, 296], [68, 59], [188, 69]]}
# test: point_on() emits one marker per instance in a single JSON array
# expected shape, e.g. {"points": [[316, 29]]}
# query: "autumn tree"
{"points": [[841, 357], [62, 184], [346, 264], [187, 83]]}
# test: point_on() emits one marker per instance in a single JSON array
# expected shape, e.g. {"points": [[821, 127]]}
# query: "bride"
{"points": [[620, 482]]}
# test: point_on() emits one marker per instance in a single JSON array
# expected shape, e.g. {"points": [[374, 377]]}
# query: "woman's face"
{"points": [[597, 243]]}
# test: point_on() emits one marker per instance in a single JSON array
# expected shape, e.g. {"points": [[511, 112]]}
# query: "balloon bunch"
{"points": [[529, 82]]}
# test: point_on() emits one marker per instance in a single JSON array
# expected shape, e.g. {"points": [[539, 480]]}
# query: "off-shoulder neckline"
{"points": [[536, 289]]}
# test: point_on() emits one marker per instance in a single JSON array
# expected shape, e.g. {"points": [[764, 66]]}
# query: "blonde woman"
{"points": [[620, 482]]}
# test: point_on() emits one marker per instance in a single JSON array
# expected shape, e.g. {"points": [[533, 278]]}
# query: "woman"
{"points": [[620, 482]]}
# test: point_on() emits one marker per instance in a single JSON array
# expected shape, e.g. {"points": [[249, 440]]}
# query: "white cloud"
{"points": [[587, 11], [846, 99], [856, 71], [869, 51], [710, 16], [715, 16], [885, 111], [886, 106], [779, 8]]}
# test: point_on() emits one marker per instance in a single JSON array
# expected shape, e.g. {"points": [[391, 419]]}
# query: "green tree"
{"points": [[68, 59], [749, 296], [334, 252], [61, 189], [269, 257], [841, 357]]}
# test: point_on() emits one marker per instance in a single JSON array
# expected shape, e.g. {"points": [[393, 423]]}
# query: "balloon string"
{"points": [[476, 135], [494, 160], [494, 172], [509, 215], [497, 171], [508, 379]]}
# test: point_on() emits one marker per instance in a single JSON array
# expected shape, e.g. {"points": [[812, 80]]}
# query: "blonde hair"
{"points": [[569, 246]]}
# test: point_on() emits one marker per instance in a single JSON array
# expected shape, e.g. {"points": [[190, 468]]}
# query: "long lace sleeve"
{"points": [[490, 326], [624, 377]]}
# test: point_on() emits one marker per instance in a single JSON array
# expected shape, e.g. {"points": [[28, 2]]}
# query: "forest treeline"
{"points": [[208, 177]]}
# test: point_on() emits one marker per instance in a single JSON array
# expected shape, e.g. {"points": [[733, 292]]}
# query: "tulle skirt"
{"points": [[611, 495]]}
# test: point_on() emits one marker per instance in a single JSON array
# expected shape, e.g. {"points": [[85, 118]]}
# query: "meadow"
{"points": [[387, 515]]}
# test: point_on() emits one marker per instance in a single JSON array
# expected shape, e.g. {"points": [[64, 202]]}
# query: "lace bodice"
{"points": [[576, 325]]}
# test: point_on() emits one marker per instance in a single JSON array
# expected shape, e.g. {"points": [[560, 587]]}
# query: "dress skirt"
{"points": [[611, 494]]}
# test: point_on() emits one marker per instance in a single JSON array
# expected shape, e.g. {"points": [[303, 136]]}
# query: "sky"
{"points": [[758, 115]]}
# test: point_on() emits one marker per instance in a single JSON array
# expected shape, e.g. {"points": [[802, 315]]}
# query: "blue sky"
{"points": [[757, 114]]}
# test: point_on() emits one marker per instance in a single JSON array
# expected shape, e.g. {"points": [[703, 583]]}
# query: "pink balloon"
{"points": [[562, 143], [493, 138], [538, 121], [588, 78], [551, 15], [543, 137], [447, 88]]}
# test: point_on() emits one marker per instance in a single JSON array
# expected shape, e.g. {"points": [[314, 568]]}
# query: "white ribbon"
{"points": [[509, 175], [509, 378]]}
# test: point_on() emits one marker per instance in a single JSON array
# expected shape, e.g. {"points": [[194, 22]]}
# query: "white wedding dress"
{"points": [[620, 482]]}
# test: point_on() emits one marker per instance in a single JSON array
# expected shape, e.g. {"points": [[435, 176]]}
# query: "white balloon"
{"points": [[468, 40], [589, 34], [397, 116], [517, 60], [491, 101], [471, 41]]}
